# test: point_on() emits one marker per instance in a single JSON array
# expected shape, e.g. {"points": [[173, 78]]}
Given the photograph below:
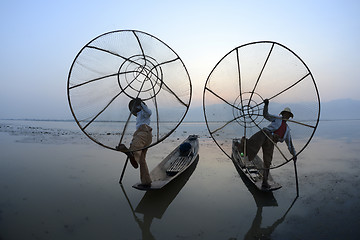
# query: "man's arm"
{"points": [[266, 114], [290, 145], [145, 108]]}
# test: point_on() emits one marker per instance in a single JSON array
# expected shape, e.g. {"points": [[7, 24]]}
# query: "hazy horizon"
{"points": [[40, 44], [196, 114]]}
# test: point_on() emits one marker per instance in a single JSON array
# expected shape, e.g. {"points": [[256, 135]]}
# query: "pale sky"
{"points": [[40, 39]]}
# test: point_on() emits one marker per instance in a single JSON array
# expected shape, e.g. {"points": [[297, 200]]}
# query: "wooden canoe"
{"points": [[173, 165], [251, 169]]}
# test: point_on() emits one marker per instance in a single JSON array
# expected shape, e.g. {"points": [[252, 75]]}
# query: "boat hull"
{"points": [[253, 170], [173, 165]]}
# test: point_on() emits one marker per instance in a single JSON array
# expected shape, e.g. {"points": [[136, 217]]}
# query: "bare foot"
{"points": [[265, 185], [132, 160], [124, 149]]}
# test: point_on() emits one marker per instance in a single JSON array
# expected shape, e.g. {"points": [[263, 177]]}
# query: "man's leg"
{"points": [[143, 139], [254, 143], [268, 150], [144, 171], [130, 155]]}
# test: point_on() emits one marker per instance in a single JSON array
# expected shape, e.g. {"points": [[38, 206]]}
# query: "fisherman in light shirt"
{"points": [[142, 138]]}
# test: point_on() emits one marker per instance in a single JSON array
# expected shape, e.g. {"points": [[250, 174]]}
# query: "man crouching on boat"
{"points": [[142, 138], [276, 131]]}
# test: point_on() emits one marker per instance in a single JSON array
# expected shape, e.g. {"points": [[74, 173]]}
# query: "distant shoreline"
{"points": [[192, 121]]}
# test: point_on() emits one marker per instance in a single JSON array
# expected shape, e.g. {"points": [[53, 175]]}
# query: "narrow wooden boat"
{"points": [[251, 169], [180, 159]]}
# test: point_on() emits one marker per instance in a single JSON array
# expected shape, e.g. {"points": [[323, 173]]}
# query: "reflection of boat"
{"points": [[253, 170], [262, 199], [174, 164], [154, 203]]}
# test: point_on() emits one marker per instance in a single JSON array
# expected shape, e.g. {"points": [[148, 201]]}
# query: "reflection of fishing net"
{"points": [[243, 78], [119, 66]]}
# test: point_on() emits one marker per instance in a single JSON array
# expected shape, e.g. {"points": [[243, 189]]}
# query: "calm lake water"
{"points": [[55, 183]]}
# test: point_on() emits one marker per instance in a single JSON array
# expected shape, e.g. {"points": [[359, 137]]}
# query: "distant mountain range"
{"points": [[340, 109]]}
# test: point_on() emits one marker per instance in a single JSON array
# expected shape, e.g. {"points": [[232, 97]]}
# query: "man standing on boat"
{"points": [[276, 131], [142, 138]]}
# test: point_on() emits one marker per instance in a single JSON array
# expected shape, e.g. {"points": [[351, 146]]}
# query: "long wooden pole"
{"points": [[296, 179], [123, 171]]}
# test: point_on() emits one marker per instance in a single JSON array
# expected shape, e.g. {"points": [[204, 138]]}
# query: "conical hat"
{"points": [[287, 110]]}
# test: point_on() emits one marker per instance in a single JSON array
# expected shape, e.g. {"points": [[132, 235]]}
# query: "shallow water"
{"points": [[57, 184]]}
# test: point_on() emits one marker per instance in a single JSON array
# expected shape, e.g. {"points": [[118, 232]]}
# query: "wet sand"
{"points": [[57, 184]]}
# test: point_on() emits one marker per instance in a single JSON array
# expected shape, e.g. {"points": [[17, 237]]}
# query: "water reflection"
{"points": [[262, 199], [154, 203]]}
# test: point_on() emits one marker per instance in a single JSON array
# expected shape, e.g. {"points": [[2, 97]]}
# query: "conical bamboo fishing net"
{"points": [[237, 86], [119, 66]]}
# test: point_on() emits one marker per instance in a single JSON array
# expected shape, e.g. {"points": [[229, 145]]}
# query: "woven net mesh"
{"points": [[117, 67], [237, 86]]}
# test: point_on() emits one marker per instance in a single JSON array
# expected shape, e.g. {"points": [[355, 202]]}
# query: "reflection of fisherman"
{"points": [[257, 232], [145, 227], [155, 203], [276, 131], [262, 200], [147, 219], [142, 138]]}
